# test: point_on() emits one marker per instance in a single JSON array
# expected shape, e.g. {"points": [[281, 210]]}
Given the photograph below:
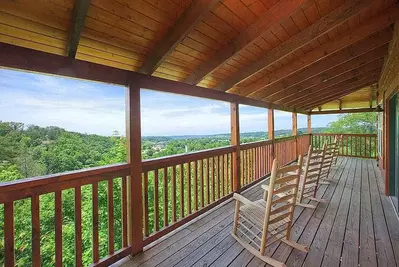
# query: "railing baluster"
{"points": [[58, 229], [35, 209], [222, 192], [188, 170], [207, 182], [124, 211], [217, 181], [202, 183], [212, 166], [181, 177], [78, 226], [195, 185], [156, 200], [165, 197], [145, 204], [110, 202], [9, 234], [174, 217]]}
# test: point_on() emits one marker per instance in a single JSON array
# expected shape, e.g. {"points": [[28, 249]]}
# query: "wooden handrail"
{"points": [[102, 173], [347, 134], [158, 163]]}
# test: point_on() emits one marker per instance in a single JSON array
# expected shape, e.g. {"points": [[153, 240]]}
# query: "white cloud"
{"points": [[98, 108]]}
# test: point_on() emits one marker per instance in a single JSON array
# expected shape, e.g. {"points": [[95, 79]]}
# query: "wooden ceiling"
{"points": [[298, 53]]}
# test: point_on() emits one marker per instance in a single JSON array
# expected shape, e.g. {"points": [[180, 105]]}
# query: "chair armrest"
{"points": [[265, 187], [246, 201]]}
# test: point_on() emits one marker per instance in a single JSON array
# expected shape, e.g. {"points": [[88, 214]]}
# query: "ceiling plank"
{"points": [[353, 87], [323, 25], [380, 22], [344, 83], [376, 40], [341, 111], [276, 14], [342, 94], [79, 14], [186, 23], [303, 94]]}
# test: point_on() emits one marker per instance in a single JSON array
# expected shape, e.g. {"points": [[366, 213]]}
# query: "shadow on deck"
{"points": [[357, 227]]}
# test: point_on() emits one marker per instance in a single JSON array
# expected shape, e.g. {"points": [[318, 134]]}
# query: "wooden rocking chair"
{"points": [[338, 146], [259, 224], [309, 182], [327, 163]]}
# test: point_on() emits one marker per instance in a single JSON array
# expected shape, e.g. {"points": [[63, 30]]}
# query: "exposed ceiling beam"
{"points": [[340, 104], [344, 84], [380, 22], [331, 84], [357, 110], [340, 93], [281, 88], [274, 15], [21, 58], [306, 87], [79, 14], [323, 25], [186, 23]]}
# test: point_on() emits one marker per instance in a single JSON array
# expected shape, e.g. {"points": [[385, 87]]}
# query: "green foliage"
{"points": [[355, 123], [29, 150]]}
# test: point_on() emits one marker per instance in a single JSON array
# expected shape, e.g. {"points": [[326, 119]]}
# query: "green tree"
{"points": [[355, 123]]}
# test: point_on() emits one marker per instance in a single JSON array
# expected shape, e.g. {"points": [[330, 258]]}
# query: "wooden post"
{"points": [[270, 128], [295, 131], [133, 139], [310, 128], [235, 141]]}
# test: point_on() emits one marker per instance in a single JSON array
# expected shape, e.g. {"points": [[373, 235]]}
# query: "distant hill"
{"points": [[227, 135]]}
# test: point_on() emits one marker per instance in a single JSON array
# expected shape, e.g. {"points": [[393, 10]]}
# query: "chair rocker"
{"points": [[261, 223]]}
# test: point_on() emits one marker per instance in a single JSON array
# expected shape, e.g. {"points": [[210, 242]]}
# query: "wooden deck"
{"points": [[357, 227]]}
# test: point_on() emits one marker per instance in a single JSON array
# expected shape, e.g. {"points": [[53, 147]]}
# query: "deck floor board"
{"points": [[357, 226]]}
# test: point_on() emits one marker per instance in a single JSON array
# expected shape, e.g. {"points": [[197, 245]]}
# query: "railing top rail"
{"points": [[282, 139], [345, 134], [158, 163], [114, 170], [255, 144]]}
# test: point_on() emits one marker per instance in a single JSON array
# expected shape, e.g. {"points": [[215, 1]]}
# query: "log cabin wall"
{"points": [[388, 86]]}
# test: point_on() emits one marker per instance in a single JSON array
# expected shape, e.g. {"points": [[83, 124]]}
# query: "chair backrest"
{"points": [[311, 172], [280, 201]]}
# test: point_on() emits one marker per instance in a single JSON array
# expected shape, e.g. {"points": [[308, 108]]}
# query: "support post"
{"points": [[295, 132], [310, 128], [270, 128], [133, 139], [235, 141]]}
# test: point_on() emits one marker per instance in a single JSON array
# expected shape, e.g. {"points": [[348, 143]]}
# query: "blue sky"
{"points": [[91, 107]]}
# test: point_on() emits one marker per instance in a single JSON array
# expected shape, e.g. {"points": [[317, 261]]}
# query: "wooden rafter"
{"points": [[331, 84], [344, 84], [79, 14], [340, 111], [341, 41], [194, 14], [281, 88], [322, 26], [335, 95], [276, 14], [308, 86]]}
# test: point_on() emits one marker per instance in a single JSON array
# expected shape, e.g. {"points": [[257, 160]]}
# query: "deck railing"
{"points": [[176, 189], [352, 145], [85, 186]]}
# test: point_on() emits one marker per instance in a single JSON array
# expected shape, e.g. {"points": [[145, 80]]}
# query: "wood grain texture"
{"points": [[325, 24]]}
